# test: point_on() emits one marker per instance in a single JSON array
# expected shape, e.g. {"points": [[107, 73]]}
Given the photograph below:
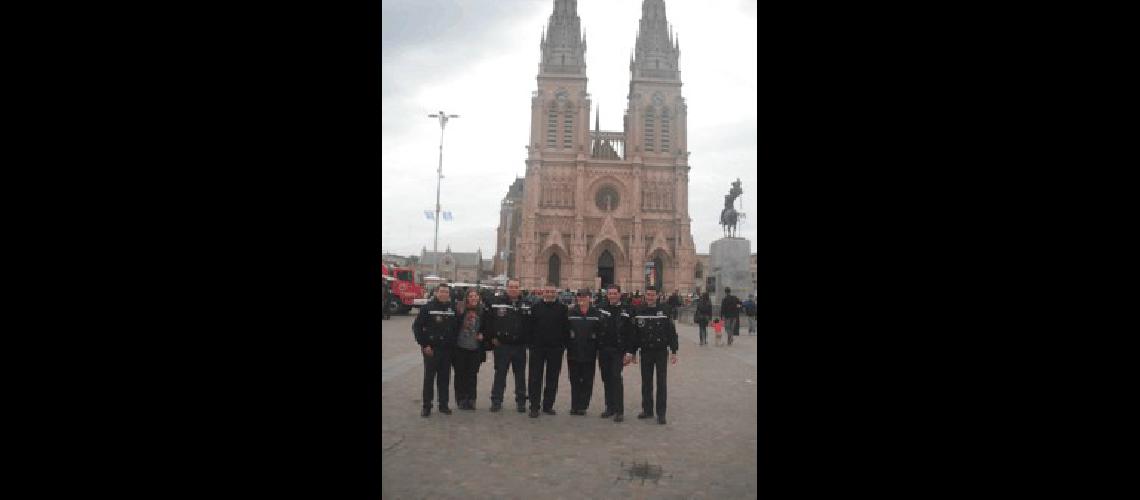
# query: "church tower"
{"points": [[604, 207]]}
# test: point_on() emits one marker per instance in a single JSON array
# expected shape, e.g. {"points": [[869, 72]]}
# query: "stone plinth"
{"points": [[728, 263]]}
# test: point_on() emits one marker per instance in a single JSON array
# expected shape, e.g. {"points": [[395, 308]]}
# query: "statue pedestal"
{"points": [[729, 266]]}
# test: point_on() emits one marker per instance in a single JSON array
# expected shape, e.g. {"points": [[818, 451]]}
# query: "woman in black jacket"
{"points": [[701, 317]]}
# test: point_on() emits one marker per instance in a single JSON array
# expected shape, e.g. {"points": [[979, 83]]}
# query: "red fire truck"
{"points": [[402, 283]]}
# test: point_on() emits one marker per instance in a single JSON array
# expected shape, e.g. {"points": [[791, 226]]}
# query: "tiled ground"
{"points": [[707, 450]]}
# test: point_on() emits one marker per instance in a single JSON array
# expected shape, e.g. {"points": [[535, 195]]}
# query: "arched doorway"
{"points": [[553, 271], [606, 268]]}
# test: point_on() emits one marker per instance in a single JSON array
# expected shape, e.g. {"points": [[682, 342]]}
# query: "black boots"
{"points": [[522, 407], [445, 410], [644, 415], [618, 417], [661, 419], [534, 413], [607, 414], [426, 412], [496, 406]]}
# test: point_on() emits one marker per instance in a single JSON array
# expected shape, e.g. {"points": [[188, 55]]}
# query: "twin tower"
{"points": [[602, 207]]}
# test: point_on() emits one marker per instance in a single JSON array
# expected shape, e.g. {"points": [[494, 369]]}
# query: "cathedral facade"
{"points": [[599, 207]]}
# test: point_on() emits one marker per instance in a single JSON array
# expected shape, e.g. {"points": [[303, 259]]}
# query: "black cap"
{"points": [[582, 292]]}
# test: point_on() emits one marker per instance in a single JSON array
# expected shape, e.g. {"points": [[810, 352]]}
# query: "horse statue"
{"points": [[729, 216]]}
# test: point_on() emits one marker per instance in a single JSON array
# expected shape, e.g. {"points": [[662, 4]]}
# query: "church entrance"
{"points": [[606, 268]]}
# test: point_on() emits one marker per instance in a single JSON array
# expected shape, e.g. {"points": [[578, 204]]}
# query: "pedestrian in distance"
{"points": [[702, 315], [435, 329], [469, 353], [549, 335], [655, 336], [674, 304], [717, 327], [730, 308], [750, 311], [585, 326], [509, 323]]}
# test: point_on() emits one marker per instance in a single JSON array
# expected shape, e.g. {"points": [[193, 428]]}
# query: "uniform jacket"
{"points": [[616, 329], [584, 330], [654, 329], [437, 325], [549, 325], [509, 321]]}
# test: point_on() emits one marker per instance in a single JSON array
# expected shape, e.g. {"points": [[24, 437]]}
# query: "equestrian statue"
{"points": [[729, 215]]}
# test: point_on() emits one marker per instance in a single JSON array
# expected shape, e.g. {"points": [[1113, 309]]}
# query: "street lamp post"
{"points": [[443, 117]]}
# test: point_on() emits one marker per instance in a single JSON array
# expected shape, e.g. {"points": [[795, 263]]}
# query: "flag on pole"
{"points": [[429, 215], [447, 216]]}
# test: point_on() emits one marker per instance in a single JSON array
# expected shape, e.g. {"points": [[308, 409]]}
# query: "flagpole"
{"points": [[443, 117]]}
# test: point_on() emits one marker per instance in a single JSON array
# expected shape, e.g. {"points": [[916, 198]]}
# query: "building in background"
{"points": [[701, 273], [462, 267], [600, 207]]}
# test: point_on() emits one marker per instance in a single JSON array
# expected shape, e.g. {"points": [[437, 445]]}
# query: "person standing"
{"points": [[585, 324], [702, 316], [656, 336], [750, 311], [615, 350], [509, 324], [730, 310], [674, 304], [435, 330], [549, 334], [469, 350]]}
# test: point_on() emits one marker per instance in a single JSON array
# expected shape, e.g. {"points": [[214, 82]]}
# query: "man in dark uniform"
{"points": [[509, 320], [615, 350], [549, 334], [655, 336], [585, 324], [436, 330]]}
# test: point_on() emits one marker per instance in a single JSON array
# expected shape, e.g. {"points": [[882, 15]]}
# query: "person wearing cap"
{"points": [[509, 324], [549, 334], [655, 336], [436, 331], [615, 350], [584, 325]]}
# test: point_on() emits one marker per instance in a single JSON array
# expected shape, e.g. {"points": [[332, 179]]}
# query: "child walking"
{"points": [[718, 326]]}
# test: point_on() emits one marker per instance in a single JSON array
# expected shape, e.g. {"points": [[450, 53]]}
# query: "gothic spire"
{"points": [[598, 118], [656, 49], [564, 45]]}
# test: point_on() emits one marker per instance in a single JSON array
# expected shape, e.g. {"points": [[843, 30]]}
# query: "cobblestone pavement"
{"points": [[707, 450]]}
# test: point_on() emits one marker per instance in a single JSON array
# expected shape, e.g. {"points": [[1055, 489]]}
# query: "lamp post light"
{"points": [[443, 117]]}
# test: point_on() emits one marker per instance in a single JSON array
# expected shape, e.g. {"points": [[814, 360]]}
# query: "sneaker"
{"points": [[618, 417], [644, 415], [534, 414], [426, 412]]}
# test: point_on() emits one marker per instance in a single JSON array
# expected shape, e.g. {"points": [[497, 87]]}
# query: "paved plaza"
{"points": [[707, 450]]}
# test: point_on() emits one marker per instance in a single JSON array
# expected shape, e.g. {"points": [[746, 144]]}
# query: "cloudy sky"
{"points": [[479, 59]]}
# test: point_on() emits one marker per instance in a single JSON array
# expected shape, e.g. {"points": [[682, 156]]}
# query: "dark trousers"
{"points": [[437, 373], [511, 357], [731, 327], [651, 360], [610, 364], [551, 359], [581, 383], [466, 367]]}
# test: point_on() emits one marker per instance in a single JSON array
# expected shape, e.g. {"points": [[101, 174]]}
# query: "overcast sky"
{"points": [[479, 59]]}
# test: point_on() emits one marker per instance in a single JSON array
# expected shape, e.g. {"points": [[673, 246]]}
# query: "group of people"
{"points": [[607, 335], [730, 309]]}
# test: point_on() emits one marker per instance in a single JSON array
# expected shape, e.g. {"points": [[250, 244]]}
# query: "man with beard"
{"points": [[509, 323], [549, 334]]}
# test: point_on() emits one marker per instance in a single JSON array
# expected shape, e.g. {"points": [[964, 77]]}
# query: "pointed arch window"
{"points": [[552, 127], [553, 271], [665, 129], [567, 129]]}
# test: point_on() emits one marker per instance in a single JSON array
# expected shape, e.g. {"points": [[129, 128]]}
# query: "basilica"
{"points": [[599, 207]]}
